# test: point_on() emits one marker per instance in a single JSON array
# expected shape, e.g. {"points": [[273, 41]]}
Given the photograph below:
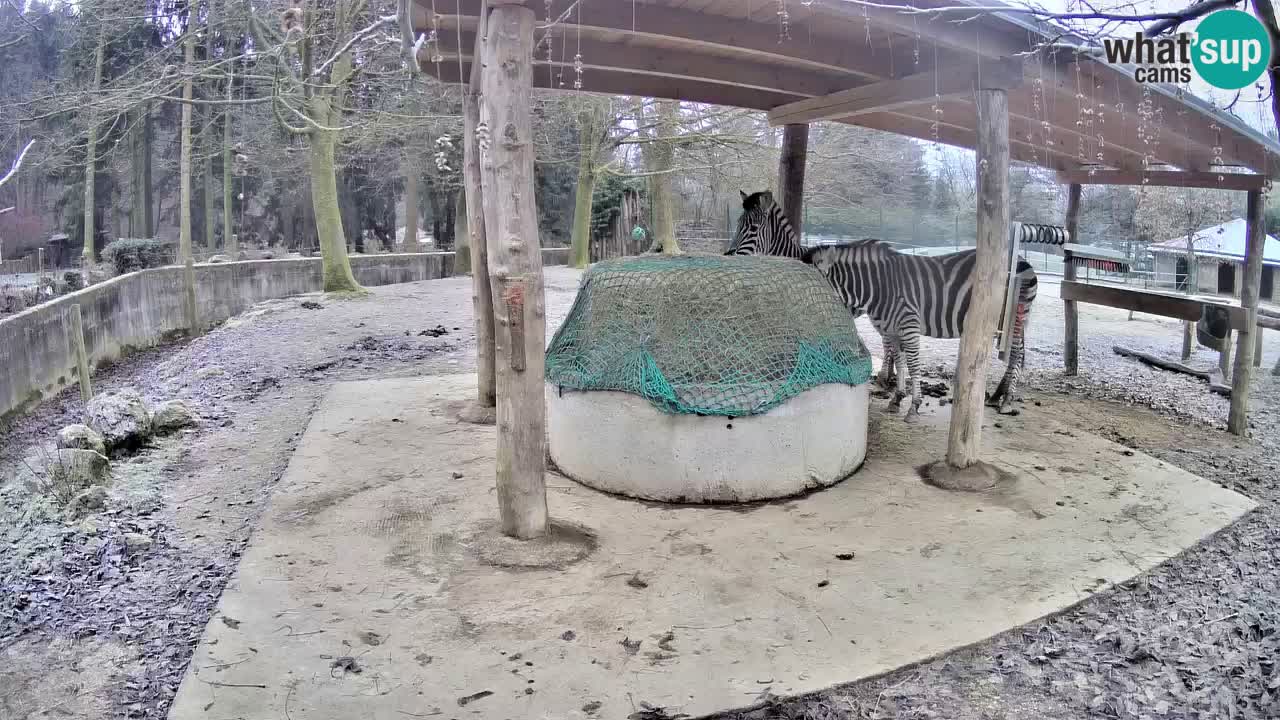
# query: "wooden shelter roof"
{"points": [[880, 67]]}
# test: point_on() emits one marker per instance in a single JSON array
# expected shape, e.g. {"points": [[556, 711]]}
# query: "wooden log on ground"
{"points": [[1255, 238], [515, 268], [964, 437], [1216, 384], [1071, 342], [791, 165]]}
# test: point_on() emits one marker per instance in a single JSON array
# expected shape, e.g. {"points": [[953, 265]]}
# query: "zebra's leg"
{"points": [[909, 346], [1006, 392], [893, 358], [885, 379], [1017, 361]]}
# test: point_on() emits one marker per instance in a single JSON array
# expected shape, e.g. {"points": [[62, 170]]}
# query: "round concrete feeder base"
{"points": [[620, 443]]}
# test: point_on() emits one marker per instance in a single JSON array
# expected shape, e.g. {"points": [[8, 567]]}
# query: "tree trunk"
{"points": [[791, 166], [137, 196], [324, 206], [580, 237], [1238, 417], [91, 152], [516, 268], [462, 250], [964, 438], [210, 227], [184, 154], [411, 212], [664, 225], [481, 288], [450, 218], [230, 234], [184, 193], [150, 210]]}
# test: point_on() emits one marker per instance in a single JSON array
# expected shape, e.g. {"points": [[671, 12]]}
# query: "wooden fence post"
{"points": [[75, 335], [1071, 317], [515, 267], [791, 165], [1238, 415], [964, 438]]}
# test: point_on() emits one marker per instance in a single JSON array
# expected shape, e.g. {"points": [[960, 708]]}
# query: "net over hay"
{"points": [[707, 334]]}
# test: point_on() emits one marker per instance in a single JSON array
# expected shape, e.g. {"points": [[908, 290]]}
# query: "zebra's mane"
{"points": [[756, 200], [870, 247]]}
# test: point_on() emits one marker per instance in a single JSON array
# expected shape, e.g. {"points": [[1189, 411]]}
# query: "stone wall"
{"points": [[144, 308]]}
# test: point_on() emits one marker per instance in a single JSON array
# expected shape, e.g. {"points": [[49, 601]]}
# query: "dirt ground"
{"points": [[92, 628]]}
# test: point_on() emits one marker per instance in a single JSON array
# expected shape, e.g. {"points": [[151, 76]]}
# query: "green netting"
{"points": [[707, 334]]}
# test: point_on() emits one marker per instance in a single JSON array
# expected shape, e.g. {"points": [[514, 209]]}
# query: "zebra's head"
{"points": [[763, 229]]}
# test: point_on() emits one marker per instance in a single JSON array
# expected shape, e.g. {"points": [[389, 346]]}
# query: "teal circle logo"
{"points": [[1232, 49]]}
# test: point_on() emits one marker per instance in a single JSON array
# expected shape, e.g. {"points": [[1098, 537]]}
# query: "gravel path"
{"points": [[87, 631]]}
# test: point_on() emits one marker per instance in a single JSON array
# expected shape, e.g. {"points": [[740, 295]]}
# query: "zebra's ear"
{"points": [[744, 195]]}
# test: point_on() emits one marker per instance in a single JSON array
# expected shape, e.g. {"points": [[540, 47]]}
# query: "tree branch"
{"points": [[384, 20], [1267, 13], [17, 164]]}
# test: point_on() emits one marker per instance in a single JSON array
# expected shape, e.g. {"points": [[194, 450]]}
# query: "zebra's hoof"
{"points": [[911, 417], [1009, 410], [893, 408]]}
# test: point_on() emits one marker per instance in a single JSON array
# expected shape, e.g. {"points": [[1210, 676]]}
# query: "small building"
{"points": [[1219, 252]]}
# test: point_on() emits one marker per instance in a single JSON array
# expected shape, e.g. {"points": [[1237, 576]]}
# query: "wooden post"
{"points": [[1257, 350], [189, 296], [75, 335], [481, 294], [1238, 415], [795, 150], [964, 439], [1224, 357], [515, 267], [1071, 317]]}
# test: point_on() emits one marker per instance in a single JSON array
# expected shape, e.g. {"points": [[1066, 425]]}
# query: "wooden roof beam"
{"points": [[615, 82], [695, 29], [662, 62], [1165, 178], [925, 87], [962, 137]]}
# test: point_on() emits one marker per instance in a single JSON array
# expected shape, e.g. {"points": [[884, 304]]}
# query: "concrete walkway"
{"points": [[371, 590]]}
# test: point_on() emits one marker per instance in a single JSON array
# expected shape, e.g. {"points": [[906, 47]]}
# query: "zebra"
{"points": [[932, 295], [763, 229], [907, 296]]}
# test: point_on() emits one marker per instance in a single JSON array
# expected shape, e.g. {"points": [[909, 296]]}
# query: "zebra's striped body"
{"points": [[905, 295]]}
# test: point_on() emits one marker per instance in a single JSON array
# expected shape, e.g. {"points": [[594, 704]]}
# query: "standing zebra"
{"points": [[763, 229], [904, 295]]}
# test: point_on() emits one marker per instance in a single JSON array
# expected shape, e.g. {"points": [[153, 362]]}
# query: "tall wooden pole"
{"points": [[1238, 415], [1071, 342], [481, 294], [515, 267], [964, 439], [795, 150]]}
